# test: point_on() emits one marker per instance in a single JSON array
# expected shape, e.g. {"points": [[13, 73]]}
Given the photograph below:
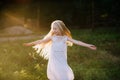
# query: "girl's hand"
{"points": [[27, 44], [92, 47]]}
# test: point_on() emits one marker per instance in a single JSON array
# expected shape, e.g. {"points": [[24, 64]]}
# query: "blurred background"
{"points": [[76, 14], [91, 21]]}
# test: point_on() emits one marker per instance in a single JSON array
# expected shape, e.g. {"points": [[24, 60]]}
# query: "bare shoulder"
{"points": [[48, 38], [68, 38]]}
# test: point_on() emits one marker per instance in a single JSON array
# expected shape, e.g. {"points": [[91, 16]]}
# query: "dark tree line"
{"points": [[76, 13]]}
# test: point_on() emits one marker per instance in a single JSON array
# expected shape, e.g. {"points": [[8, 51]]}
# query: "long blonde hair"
{"points": [[44, 48]]}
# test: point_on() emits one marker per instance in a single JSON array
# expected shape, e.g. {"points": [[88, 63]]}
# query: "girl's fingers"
{"points": [[93, 47], [25, 44]]}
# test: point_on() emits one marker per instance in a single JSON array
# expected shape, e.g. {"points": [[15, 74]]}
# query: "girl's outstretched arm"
{"points": [[37, 42], [93, 47]]}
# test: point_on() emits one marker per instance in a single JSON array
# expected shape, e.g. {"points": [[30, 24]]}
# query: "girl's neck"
{"points": [[58, 35]]}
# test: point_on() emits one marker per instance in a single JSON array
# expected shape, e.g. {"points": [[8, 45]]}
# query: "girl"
{"points": [[54, 48]]}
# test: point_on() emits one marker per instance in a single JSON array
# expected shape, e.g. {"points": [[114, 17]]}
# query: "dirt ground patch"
{"points": [[4, 39], [17, 30]]}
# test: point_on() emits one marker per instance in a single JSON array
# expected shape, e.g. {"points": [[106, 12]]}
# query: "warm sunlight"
{"points": [[36, 38], [13, 19]]}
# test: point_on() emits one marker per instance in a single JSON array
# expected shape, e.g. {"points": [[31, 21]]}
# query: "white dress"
{"points": [[58, 68]]}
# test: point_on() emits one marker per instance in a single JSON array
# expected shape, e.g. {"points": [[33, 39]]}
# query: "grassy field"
{"points": [[18, 62]]}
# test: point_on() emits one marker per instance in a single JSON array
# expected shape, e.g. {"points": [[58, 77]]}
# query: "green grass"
{"points": [[18, 62]]}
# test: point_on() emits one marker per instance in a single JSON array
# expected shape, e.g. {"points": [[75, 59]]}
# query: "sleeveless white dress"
{"points": [[58, 68]]}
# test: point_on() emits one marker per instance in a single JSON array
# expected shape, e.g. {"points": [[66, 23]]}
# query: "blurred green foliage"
{"points": [[18, 62]]}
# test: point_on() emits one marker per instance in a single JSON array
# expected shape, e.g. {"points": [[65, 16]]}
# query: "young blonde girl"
{"points": [[54, 48]]}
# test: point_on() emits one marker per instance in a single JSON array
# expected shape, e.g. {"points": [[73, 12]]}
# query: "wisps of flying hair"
{"points": [[43, 49]]}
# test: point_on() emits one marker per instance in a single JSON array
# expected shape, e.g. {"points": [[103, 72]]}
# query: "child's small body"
{"points": [[54, 45], [58, 69]]}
